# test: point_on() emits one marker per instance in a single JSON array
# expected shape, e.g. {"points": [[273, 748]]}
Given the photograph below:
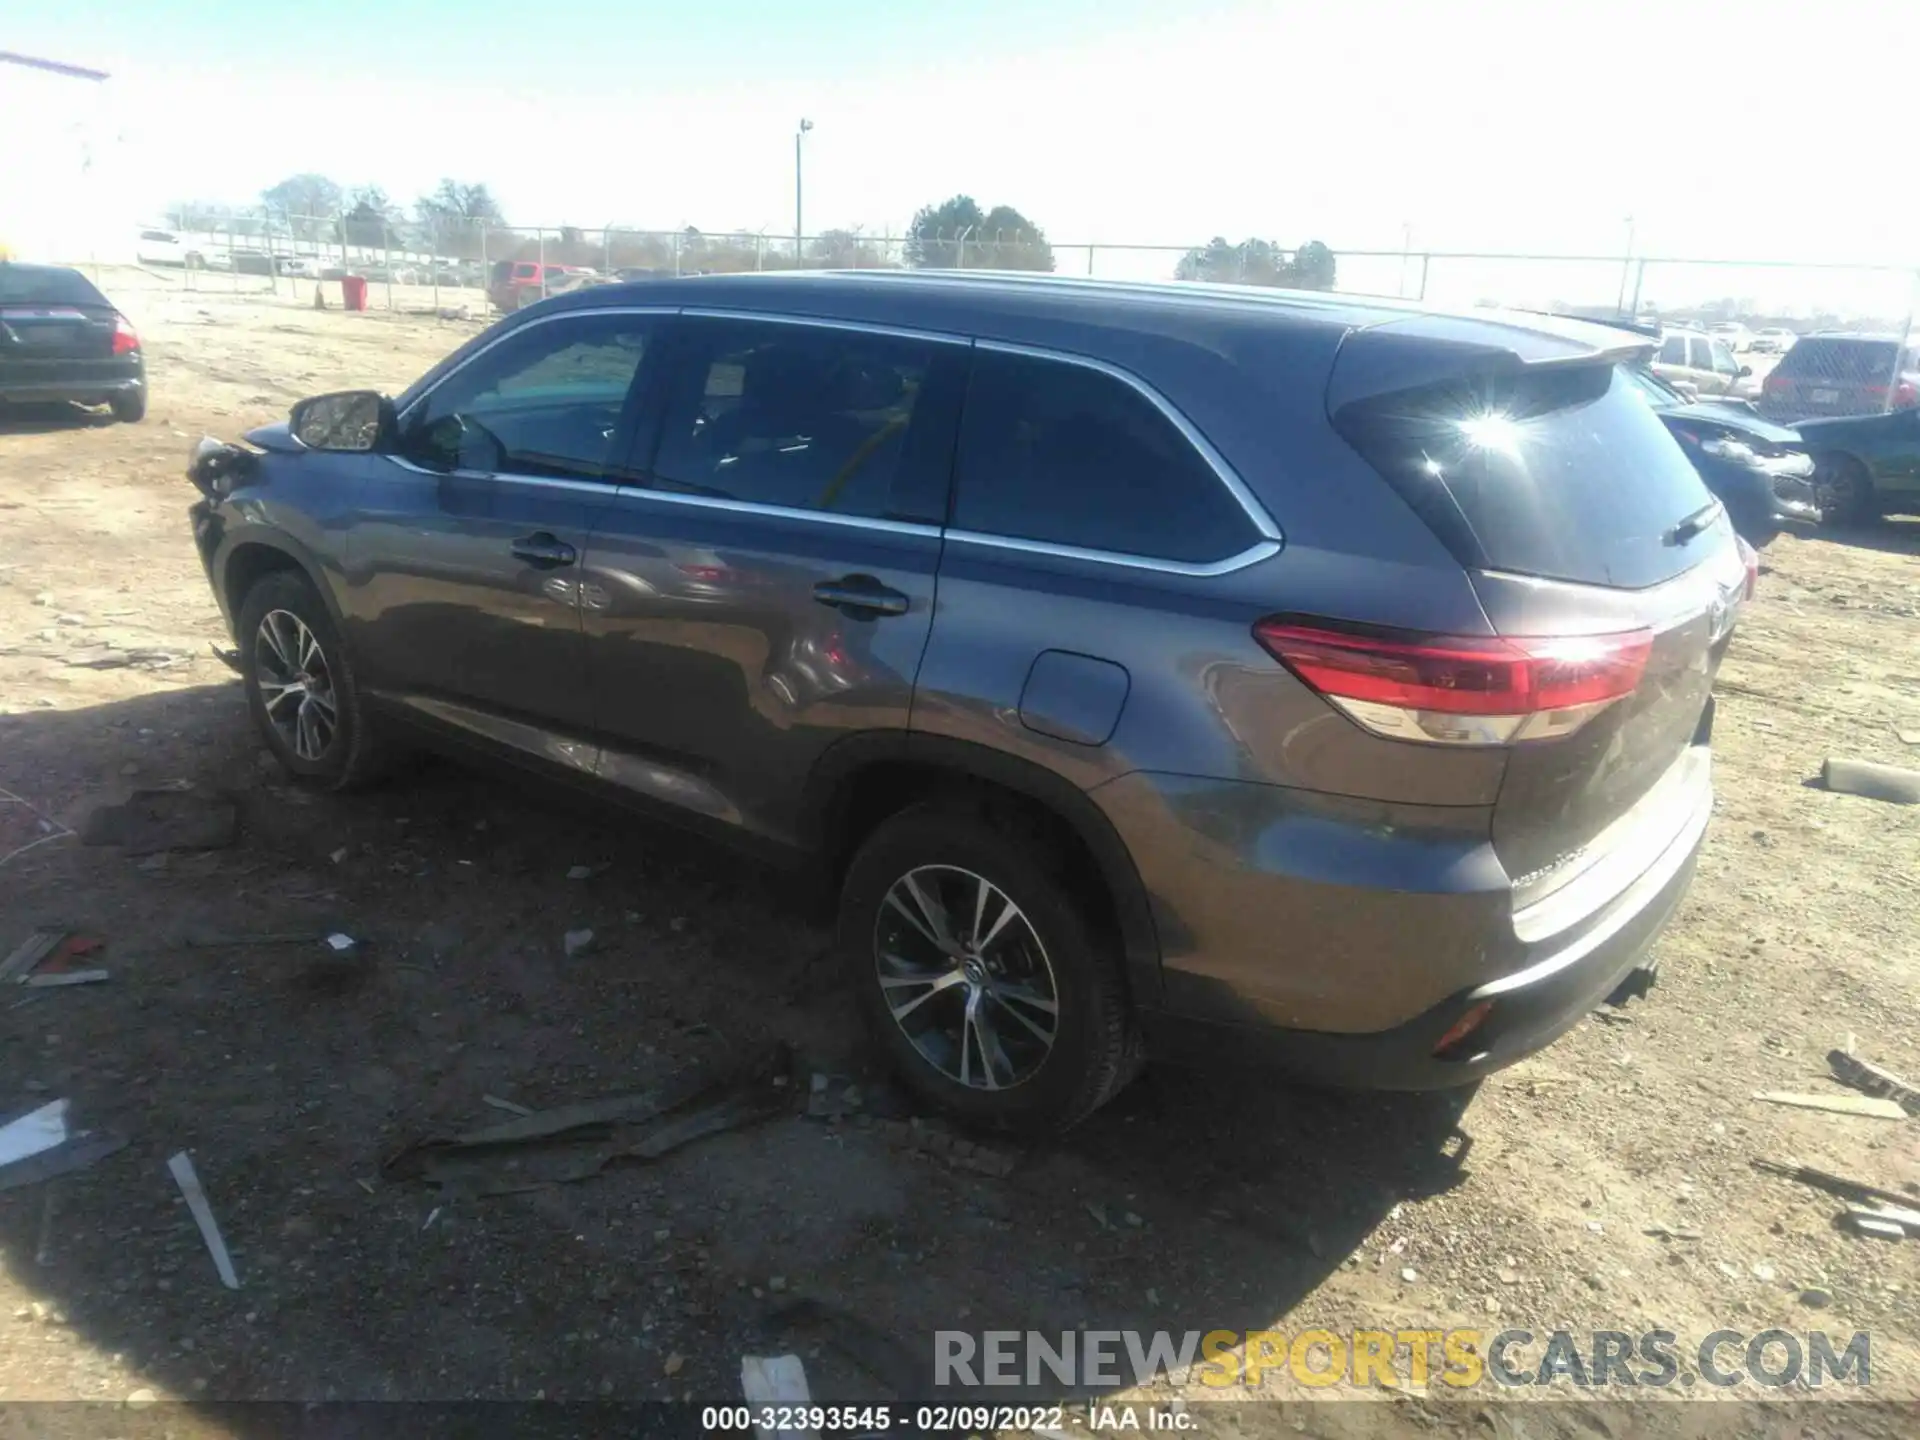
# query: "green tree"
{"points": [[958, 234], [844, 250], [1258, 262], [307, 204], [371, 218]]}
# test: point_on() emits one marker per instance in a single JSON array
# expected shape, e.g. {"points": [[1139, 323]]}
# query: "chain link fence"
{"points": [[1798, 339]]}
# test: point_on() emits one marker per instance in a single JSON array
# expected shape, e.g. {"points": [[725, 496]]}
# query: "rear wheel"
{"points": [[300, 685], [1844, 491], [980, 975], [129, 408]]}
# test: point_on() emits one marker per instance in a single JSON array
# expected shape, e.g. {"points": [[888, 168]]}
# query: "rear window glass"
{"points": [[1566, 474], [31, 285], [1858, 361]]}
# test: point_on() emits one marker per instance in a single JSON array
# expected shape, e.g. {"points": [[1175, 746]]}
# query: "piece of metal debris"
{"points": [[1865, 1076], [342, 943], [577, 941], [507, 1105], [57, 978], [181, 1167], [1843, 1186], [1904, 1216], [166, 818], [79, 1151], [29, 953], [1870, 1106], [1671, 1232], [1892, 783], [772, 1381], [38, 1129], [1866, 1224]]}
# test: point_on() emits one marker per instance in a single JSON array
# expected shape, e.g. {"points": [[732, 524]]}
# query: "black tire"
{"points": [[129, 408], [1094, 1049], [1844, 491], [351, 754]]}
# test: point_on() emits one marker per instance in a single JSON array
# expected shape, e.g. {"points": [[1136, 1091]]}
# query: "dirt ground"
{"points": [[1197, 1201]]}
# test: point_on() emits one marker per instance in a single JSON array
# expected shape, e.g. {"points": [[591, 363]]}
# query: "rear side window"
{"points": [[1562, 473], [31, 285], [805, 418], [1673, 350], [1069, 455], [1854, 361]]}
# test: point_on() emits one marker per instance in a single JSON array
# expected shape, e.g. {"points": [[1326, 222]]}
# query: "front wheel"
{"points": [[300, 685], [980, 974], [1844, 491]]}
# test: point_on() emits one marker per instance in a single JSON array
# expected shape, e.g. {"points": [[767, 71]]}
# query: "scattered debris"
{"points": [[577, 941], [1876, 782], [774, 1380], [832, 1097], [164, 819], [1904, 1216], [432, 1215], [66, 977], [342, 943], [507, 1105], [36, 1130], [675, 1363], [339, 856], [181, 1166], [80, 1151], [364, 1183], [106, 657], [1841, 1185], [1866, 1222], [1865, 1076], [962, 1153], [584, 872], [29, 953], [1670, 1232], [215, 940], [1816, 1298], [1867, 1105], [575, 1142]]}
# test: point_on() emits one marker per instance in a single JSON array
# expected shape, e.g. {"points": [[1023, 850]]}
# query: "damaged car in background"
{"points": [[1760, 471]]}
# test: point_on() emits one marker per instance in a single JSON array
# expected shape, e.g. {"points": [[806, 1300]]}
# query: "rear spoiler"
{"points": [[1424, 350]]}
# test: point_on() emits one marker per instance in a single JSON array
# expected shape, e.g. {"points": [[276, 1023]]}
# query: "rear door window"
{"points": [[1065, 454], [1699, 355], [1561, 473], [1673, 350]]}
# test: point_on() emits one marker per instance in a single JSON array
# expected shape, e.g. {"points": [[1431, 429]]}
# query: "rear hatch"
{"points": [[1825, 376], [53, 324], [1589, 539]]}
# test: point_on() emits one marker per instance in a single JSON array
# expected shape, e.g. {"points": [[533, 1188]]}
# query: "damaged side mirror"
{"points": [[351, 420], [217, 469]]}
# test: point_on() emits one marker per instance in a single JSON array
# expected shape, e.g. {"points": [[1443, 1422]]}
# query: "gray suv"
{"points": [[1145, 667]]}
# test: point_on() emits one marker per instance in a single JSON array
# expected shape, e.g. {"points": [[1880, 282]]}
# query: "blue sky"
{"points": [[1761, 130]]}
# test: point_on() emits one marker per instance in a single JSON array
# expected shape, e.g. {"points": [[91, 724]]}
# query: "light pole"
{"points": [[1626, 268], [798, 136]]}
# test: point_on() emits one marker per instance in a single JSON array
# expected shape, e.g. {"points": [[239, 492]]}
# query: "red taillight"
{"points": [[1749, 557], [126, 339], [1776, 383], [1455, 690]]}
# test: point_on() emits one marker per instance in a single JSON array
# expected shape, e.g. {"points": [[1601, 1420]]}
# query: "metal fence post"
{"points": [[486, 270], [386, 253], [1425, 261], [1090, 260], [543, 261], [1639, 279], [1900, 350]]}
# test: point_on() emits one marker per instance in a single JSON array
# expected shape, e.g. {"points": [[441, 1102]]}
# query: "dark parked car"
{"points": [[61, 339], [1221, 670], [1760, 471], [1834, 374], [1866, 466]]}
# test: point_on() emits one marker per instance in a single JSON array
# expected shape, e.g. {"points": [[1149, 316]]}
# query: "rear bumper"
{"points": [[78, 389], [1529, 1010], [1347, 960]]}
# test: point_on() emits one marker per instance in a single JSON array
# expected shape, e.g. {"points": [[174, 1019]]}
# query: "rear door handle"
{"points": [[544, 549], [860, 596]]}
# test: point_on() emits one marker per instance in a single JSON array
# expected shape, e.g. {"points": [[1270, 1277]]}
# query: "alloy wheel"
{"points": [[296, 684], [965, 977]]}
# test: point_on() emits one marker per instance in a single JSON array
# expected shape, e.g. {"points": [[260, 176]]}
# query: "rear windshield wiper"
{"points": [[1693, 524]]}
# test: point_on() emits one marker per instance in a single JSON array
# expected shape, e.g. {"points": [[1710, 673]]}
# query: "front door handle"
{"points": [[544, 549], [860, 596]]}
